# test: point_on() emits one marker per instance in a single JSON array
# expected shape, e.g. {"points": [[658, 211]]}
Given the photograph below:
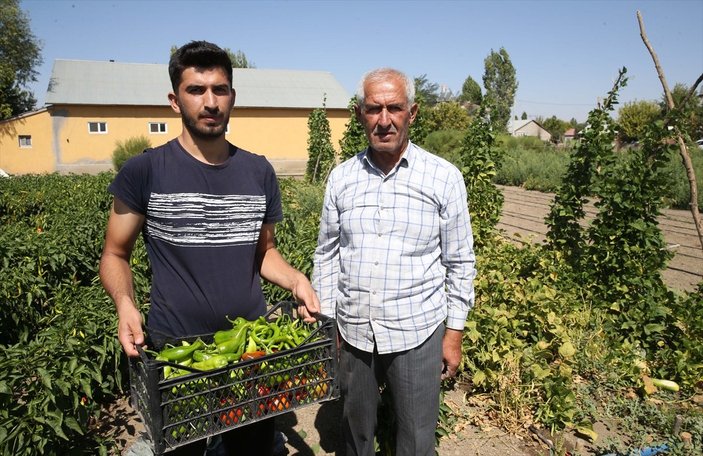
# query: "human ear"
{"points": [[173, 101]]}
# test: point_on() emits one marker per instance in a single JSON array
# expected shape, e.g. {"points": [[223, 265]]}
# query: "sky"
{"points": [[566, 53]]}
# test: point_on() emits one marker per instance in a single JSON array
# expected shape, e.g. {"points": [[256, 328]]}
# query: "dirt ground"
{"points": [[522, 219], [314, 431]]}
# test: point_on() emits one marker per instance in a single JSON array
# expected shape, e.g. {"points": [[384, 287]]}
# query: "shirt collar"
{"points": [[408, 157]]}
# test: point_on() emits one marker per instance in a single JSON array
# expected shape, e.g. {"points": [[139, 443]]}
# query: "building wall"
{"points": [[35, 159], [61, 140], [532, 129]]}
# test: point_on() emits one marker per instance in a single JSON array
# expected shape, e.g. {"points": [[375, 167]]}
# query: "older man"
{"points": [[395, 266]]}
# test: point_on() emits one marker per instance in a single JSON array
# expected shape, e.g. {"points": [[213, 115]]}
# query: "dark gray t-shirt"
{"points": [[201, 230]]}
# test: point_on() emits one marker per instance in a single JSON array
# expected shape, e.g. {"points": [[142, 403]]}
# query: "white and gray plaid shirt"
{"points": [[395, 252]]}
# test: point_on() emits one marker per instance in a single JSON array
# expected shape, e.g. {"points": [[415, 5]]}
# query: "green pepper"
{"points": [[235, 344], [181, 353], [251, 347], [214, 362], [221, 336]]}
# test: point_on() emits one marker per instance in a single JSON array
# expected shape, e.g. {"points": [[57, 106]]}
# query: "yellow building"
{"points": [[91, 105]]}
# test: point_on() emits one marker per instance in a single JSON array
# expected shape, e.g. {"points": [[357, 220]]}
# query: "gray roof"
{"points": [[140, 84]]}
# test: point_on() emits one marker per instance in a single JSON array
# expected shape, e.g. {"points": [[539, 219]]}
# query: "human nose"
{"points": [[210, 99], [384, 118]]}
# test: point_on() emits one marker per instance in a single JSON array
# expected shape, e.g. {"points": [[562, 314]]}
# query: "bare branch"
{"points": [[692, 90], [683, 149]]}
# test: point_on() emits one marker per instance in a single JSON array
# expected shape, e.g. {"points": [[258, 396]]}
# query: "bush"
{"points": [[446, 144], [522, 142], [535, 169], [124, 150]]}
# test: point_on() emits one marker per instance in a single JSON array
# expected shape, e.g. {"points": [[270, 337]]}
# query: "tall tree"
{"points": [[354, 138], [447, 116], [523, 116], [471, 92], [556, 127], [239, 59], [634, 119], [426, 92], [20, 54], [500, 83], [321, 154]]}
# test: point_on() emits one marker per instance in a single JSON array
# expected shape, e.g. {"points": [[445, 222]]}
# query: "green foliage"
{"points": [[471, 92], [501, 84], [478, 165], [52, 234], [531, 163], [321, 154], [621, 254], [20, 54], [635, 117], [124, 150], [565, 232], [354, 138], [446, 144], [53, 384], [59, 363], [523, 143], [296, 235], [419, 129], [239, 59], [426, 92], [690, 115], [448, 115], [546, 334], [525, 329], [556, 127], [535, 165]]}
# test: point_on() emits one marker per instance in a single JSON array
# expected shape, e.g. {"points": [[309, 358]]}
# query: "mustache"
{"points": [[380, 130], [209, 112]]}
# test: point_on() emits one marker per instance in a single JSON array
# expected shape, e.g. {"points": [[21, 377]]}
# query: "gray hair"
{"points": [[381, 74]]}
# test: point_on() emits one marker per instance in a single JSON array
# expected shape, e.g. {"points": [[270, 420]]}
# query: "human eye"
{"points": [[195, 90], [372, 109], [394, 109], [221, 90]]}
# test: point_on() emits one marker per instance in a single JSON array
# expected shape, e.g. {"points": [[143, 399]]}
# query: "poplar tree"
{"points": [[500, 83]]}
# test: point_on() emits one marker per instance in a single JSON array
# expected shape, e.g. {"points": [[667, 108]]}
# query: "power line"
{"points": [[555, 104]]}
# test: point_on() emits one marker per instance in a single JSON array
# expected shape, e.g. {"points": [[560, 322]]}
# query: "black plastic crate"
{"points": [[184, 409]]}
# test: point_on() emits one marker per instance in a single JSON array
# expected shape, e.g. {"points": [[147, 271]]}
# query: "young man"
{"points": [[206, 210], [395, 266]]}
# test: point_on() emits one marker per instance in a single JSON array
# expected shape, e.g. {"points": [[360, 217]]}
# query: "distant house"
{"points": [[90, 105], [528, 128], [569, 135]]}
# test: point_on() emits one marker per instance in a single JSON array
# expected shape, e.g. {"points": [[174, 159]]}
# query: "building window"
{"points": [[25, 141], [158, 127], [97, 127]]}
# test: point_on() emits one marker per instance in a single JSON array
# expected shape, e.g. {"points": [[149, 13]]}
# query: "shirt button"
{"points": [[375, 263], [373, 292]]}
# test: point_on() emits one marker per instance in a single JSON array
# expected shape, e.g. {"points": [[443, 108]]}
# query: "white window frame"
{"points": [[161, 127], [101, 128], [25, 141]]}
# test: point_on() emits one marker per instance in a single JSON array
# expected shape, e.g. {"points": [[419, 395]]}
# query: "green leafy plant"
{"points": [[478, 164], [354, 139], [124, 150], [321, 154]]}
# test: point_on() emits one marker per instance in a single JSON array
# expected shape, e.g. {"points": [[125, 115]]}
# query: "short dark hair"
{"points": [[199, 54]]}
